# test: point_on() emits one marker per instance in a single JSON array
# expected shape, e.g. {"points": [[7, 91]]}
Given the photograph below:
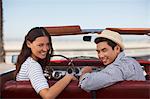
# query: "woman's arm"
{"points": [[57, 88]]}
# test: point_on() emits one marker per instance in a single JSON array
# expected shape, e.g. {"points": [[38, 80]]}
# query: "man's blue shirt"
{"points": [[123, 68]]}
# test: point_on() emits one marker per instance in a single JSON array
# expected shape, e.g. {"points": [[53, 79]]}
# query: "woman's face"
{"points": [[39, 47]]}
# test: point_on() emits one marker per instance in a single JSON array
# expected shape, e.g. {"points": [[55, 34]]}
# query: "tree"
{"points": [[2, 51]]}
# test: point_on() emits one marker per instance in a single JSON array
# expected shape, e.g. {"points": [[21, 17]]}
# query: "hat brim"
{"points": [[110, 38]]}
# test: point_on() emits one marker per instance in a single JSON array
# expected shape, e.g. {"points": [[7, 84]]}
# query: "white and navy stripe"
{"points": [[31, 70]]}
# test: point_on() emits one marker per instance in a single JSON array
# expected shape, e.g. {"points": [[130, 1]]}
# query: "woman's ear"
{"points": [[28, 44]]}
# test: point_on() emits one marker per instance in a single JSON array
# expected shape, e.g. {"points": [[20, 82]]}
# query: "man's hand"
{"points": [[86, 69]]}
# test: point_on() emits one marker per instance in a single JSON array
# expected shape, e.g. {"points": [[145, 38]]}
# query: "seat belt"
{"points": [[93, 92]]}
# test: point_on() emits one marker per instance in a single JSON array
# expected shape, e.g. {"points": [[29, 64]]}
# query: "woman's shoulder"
{"points": [[30, 61]]}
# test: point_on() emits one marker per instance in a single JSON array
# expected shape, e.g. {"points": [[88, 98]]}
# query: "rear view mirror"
{"points": [[87, 38]]}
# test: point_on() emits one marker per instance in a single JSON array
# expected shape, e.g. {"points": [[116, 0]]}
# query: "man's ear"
{"points": [[118, 48], [28, 44]]}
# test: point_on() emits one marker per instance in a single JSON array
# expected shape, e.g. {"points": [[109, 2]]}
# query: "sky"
{"points": [[19, 16]]}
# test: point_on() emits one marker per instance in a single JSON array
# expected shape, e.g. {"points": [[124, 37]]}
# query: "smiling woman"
{"points": [[32, 60]]}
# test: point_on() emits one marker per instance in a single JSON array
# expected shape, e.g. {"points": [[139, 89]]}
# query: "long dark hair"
{"points": [[26, 51]]}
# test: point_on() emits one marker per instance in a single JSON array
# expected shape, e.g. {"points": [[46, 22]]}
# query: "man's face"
{"points": [[106, 54]]}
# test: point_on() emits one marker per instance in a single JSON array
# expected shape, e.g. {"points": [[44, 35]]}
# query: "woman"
{"points": [[34, 56]]}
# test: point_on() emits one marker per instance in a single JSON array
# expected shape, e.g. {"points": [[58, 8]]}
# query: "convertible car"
{"points": [[65, 61]]}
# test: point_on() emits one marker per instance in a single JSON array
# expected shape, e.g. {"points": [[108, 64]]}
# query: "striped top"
{"points": [[31, 70]]}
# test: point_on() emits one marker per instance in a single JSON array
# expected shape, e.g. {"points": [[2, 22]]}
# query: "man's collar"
{"points": [[120, 55]]}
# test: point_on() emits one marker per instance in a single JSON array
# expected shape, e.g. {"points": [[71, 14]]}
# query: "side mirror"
{"points": [[87, 38], [14, 59]]}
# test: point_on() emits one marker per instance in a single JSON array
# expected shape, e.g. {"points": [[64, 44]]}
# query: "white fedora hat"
{"points": [[111, 35]]}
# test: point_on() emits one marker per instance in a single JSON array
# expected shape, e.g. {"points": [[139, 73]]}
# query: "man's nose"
{"points": [[100, 55]]}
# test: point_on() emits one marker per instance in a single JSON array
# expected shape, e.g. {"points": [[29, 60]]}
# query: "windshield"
{"points": [[73, 45], [70, 46]]}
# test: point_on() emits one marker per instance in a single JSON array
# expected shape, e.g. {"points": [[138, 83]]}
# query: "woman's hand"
{"points": [[71, 76]]}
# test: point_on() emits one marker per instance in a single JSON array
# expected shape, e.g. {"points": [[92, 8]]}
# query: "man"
{"points": [[118, 67]]}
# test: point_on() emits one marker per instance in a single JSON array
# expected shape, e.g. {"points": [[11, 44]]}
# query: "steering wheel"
{"points": [[49, 72]]}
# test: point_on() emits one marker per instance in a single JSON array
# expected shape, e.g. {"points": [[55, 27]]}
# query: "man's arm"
{"points": [[96, 80], [85, 70]]}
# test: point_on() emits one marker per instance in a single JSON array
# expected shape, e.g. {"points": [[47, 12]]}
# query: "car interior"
{"points": [[58, 67]]}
